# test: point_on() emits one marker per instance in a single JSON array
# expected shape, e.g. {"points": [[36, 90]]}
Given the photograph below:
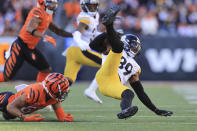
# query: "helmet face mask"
{"points": [[49, 6], [61, 97], [56, 86], [89, 6], [132, 44]]}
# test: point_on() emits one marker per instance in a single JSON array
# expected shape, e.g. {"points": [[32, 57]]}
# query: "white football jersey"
{"points": [[128, 67], [92, 23]]}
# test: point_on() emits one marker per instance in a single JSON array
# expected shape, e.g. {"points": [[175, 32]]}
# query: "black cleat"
{"points": [[110, 15], [131, 111]]}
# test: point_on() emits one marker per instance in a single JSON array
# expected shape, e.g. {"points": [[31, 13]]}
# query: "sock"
{"points": [[1, 77], [127, 97], [41, 76], [93, 86], [114, 39]]}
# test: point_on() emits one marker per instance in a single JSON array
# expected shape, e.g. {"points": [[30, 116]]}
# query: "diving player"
{"points": [[51, 91], [119, 67]]}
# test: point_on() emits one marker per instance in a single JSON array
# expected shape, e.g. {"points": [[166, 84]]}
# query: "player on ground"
{"points": [[120, 68], [80, 54], [24, 47], [51, 91]]}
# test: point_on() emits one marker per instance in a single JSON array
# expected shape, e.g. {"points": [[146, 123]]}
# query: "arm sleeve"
{"points": [[98, 43], [139, 90]]}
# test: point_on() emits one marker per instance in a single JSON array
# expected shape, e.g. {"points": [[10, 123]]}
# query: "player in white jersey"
{"points": [[79, 53], [120, 67]]}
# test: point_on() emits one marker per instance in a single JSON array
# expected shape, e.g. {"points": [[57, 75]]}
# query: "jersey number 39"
{"points": [[127, 66]]}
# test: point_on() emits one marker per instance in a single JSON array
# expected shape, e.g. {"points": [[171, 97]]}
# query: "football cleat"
{"points": [[49, 108], [92, 95], [110, 16], [126, 113]]}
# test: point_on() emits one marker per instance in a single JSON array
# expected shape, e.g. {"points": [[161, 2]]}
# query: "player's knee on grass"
{"points": [[127, 97]]}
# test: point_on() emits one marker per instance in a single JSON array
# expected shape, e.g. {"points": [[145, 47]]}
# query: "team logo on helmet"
{"points": [[57, 86], [89, 6], [132, 44]]}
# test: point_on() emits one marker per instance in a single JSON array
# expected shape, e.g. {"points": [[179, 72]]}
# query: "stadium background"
{"points": [[167, 29]]}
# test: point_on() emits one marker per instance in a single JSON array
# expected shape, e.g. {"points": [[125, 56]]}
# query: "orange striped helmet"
{"points": [[57, 86]]}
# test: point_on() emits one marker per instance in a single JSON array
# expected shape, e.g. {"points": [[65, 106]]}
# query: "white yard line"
{"points": [[188, 92]]}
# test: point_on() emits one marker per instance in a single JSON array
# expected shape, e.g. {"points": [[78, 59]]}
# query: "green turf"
{"points": [[90, 116]]}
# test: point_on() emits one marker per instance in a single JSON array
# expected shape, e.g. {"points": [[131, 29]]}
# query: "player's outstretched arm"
{"points": [[57, 30], [141, 94], [61, 115], [14, 109]]}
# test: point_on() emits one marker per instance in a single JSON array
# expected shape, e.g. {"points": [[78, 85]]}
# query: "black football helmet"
{"points": [[132, 44]]}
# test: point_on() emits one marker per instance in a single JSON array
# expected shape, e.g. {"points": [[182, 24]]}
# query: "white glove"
{"points": [[81, 43]]}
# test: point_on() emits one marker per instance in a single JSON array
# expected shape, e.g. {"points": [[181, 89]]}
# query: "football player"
{"points": [[79, 54], [24, 47], [120, 67], [52, 91]]}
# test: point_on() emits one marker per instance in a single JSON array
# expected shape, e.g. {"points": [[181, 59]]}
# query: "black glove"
{"points": [[163, 112]]}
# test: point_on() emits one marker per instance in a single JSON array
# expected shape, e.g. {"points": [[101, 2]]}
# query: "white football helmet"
{"points": [[132, 44], [89, 6]]}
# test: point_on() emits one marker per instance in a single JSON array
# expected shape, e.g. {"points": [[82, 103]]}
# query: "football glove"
{"points": [[34, 118], [50, 40], [163, 112], [67, 118], [62, 116]]}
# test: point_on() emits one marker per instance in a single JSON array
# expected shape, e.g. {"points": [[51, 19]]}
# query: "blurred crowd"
{"points": [[145, 17], [13, 14], [150, 17]]}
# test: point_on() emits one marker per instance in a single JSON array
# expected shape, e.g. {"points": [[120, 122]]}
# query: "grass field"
{"points": [[90, 116]]}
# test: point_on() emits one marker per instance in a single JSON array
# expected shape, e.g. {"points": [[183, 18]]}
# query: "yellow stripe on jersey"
{"points": [[85, 21], [140, 71]]}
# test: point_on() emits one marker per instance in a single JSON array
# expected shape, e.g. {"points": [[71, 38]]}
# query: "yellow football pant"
{"points": [[108, 79], [75, 59]]}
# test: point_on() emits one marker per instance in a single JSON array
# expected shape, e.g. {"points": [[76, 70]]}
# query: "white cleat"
{"points": [[49, 108], [92, 95]]}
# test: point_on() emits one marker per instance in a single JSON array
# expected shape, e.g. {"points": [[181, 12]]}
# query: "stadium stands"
{"points": [[147, 17]]}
